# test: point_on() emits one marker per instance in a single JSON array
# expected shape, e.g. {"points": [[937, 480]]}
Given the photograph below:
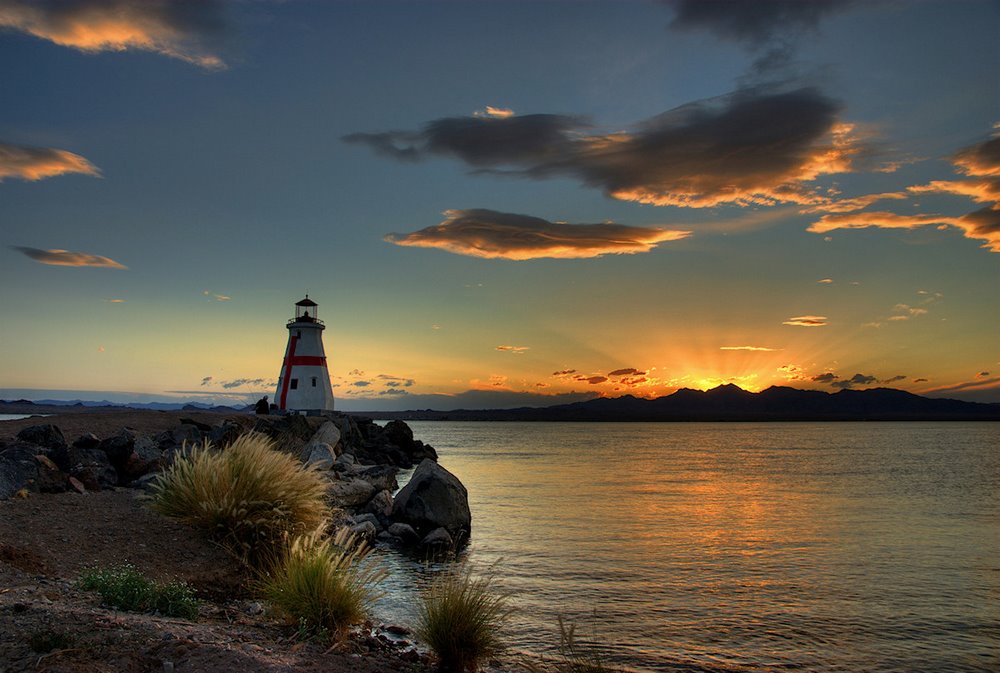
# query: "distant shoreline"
{"points": [[724, 404]]}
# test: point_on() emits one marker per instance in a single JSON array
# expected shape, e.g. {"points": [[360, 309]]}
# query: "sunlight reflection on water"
{"points": [[819, 547]]}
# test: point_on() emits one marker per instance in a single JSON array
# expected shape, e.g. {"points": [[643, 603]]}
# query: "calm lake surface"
{"points": [[736, 546]]}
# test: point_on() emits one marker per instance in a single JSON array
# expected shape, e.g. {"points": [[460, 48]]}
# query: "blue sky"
{"points": [[511, 198]]}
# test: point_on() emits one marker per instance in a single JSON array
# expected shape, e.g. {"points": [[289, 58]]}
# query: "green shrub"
{"points": [[461, 618], [323, 585], [250, 497], [125, 588]]}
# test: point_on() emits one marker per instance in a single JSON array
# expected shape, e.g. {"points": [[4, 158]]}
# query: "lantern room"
{"points": [[306, 310]]}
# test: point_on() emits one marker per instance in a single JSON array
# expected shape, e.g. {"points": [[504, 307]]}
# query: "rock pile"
{"points": [[359, 457]]}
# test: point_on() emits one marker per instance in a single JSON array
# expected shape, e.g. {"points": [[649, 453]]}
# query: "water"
{"points": [[17, 417], [718, 547]]}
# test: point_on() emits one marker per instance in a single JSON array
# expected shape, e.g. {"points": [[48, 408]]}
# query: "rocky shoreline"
{"points": [[66, 504]]}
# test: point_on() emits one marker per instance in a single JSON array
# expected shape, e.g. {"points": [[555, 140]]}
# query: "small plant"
{"points": [[323, 585], [461, 618], [574, 658], [250, 497], [125, 588]]}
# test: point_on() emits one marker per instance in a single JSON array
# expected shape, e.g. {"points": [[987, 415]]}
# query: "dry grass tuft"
{"points": [[323, 585], [250, 497], [461, 618]]}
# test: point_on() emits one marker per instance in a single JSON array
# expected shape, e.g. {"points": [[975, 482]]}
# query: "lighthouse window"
{"points": [[294, 384], [298, 333], [314, 382]]}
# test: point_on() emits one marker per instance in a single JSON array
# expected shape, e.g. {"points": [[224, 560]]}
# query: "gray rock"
{"points": [[404, 532], [225, 433], [92, 468], [438, 538], [319, 455], [346, 459], [328, 434], [50, 478], [349, 493], [361, 518], [399, 433], [380, 504], [365, 530], [118, 448], [18, 468], [146, 457], [380, 476], [87, 441], [434, 498], [186, 433], [145, 482], [47, 435]]}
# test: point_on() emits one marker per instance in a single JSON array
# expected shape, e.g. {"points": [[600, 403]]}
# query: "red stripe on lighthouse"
{"points": [[289, 361], [306, 360]]}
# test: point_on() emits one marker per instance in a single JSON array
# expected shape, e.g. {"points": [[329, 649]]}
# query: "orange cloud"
{"points": [[492, 234], [36, 163], [762, 349], [807, 321], [857, 203], [67, 258], [494, 112], [981, 225], [981, 161], [169, 27]]}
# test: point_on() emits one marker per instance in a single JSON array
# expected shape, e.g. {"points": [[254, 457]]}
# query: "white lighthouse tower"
{"points": [[304, 382]]}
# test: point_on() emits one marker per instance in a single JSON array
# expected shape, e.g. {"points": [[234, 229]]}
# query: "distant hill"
{"points": [[732, 403], [46, 406]]}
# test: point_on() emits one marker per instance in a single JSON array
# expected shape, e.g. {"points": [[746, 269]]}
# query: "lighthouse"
{"points": [[304, 382]]}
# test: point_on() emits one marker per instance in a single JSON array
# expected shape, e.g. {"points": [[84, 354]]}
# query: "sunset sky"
{"points": [[499, 203]]}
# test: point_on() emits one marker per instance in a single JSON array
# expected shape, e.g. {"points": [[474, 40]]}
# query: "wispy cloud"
{"points": [[115, 301], [68, 258], [763, 349], [494, 112], [492, 234], [37, 163], [980, 162], [754, 146], [395, 381], [517, 350], [807, 321], [176, 28], [216, 297]]}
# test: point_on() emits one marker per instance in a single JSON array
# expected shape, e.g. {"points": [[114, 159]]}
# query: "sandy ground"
{"points": [[46, 624]]}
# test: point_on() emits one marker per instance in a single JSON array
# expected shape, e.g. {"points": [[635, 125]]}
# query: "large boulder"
{"points": [[92, 468], [18, 468], [350, 493], [47, 436], [434, 498], [118, 447], [328, 433]]}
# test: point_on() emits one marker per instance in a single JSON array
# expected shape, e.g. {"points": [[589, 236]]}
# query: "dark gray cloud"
{"points": [[626, 372], [592, 380], [828, 377], [68, 258], [564, 372], [755, 23], [180, 29], [361, 384], [492, 234], [755, 146], [856, 380], [239, 383], [893, 379], [771, 29]]}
